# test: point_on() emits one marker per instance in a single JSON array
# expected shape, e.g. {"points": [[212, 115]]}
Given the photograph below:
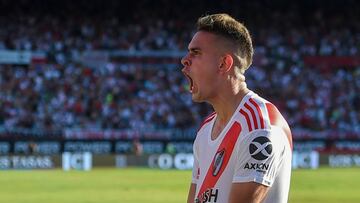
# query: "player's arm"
{"points": [[250, 192], [191, 195], [256, 166]]}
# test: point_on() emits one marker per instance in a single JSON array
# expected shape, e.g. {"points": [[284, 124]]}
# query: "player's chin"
{"points": [[197, 98]]}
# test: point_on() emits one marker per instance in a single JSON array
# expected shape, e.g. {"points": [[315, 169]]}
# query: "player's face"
{"points": [[201, 66]]}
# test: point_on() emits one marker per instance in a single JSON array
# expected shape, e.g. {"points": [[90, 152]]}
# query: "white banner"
{"points": [[79, 161], [15, 57], [305, 159]]}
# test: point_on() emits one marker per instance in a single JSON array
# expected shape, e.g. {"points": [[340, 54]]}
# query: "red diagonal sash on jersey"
{"points": [[228, 144]]}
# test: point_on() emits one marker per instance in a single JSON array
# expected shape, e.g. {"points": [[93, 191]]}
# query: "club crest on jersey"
{"points": [[218, 161]]}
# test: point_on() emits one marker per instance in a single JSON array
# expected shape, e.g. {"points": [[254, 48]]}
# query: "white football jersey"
{"points": [[255, 146]]}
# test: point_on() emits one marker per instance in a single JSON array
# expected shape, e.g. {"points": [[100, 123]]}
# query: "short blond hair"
{"points": [[226, 26]]}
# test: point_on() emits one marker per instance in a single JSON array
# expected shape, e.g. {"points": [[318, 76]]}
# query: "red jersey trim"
{"points": [[262, 123], [207, 119], [226, 147], [254, 115], [247, 119]]}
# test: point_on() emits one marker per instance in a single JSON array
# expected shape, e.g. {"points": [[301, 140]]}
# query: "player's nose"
{"points": [[185, 61]]}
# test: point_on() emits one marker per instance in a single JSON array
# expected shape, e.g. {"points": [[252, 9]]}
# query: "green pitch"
{"points": [[158, 186]]}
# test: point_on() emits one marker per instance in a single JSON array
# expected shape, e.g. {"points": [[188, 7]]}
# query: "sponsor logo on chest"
{"points": [[210, 195]]}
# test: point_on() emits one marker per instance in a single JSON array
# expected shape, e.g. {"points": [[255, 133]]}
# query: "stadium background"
{"points": [[104, 77]]}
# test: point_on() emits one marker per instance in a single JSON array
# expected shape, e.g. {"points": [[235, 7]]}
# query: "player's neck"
{"points": [[225, 108], [227, 103]]}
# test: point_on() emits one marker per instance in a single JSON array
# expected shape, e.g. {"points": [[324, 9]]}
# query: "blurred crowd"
{"points": [[65, 94]]}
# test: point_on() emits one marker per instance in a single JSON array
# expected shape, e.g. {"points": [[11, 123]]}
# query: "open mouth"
{"points": [[191, 83]]}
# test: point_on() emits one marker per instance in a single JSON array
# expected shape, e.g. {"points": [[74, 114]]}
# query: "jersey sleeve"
{"points": [[259, 157]]}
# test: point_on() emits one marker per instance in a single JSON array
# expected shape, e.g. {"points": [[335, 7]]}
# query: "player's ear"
{"points": [[226, 63]]}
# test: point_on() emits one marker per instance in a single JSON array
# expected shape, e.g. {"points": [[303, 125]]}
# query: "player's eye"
{"points": [[195, 52]]}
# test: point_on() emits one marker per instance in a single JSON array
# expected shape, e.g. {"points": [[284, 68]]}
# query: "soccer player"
{"points": [[242, 151]]}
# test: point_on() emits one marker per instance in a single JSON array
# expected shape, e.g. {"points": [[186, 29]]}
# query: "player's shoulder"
{"points": [[254, 113], [259, 114], [207, 120]]}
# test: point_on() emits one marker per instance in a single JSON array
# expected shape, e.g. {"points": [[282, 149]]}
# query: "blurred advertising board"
{"points": [[56, 147], [21, 57], [28, 162], [344, 160], [181, 161]]}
